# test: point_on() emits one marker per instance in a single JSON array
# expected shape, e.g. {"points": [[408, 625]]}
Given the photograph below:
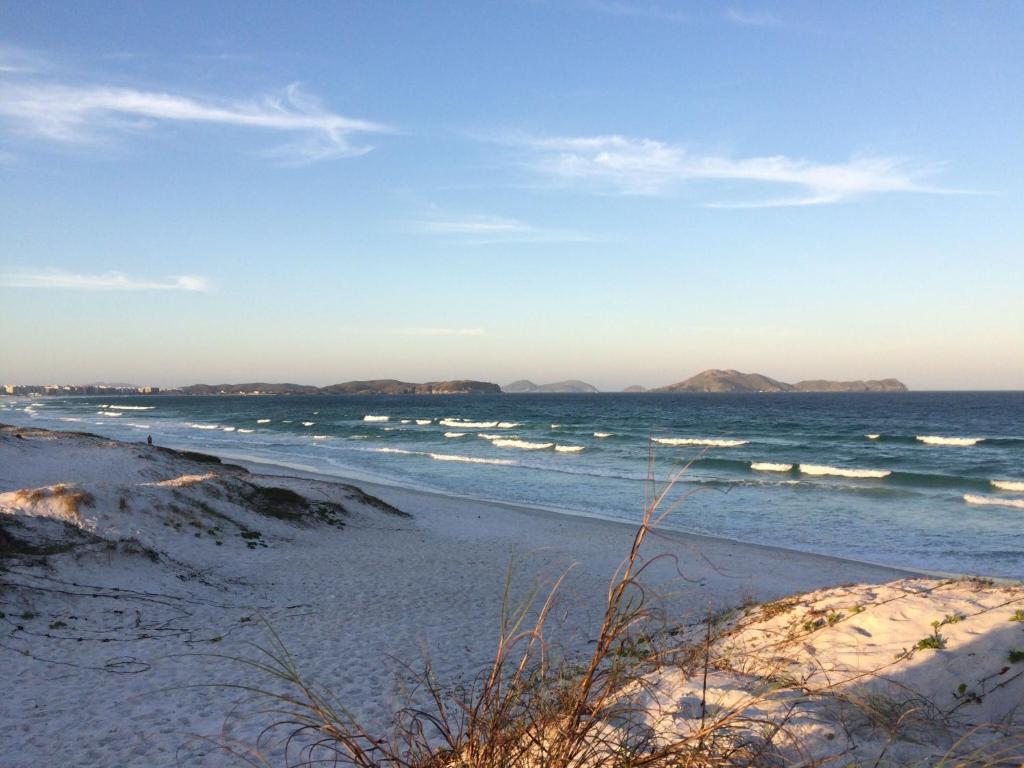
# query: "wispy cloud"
{"points": [[752, 18], [71, 113], [439, 332], [108, 281], [647, 167], [636, 10], [486, 230]]}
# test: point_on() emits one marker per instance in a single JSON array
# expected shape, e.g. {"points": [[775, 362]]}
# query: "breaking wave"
{"points": [[136, 407], [602, 435], [262, 421], [446, 456], [308, 423], [69, 418], [707, 441], [767, 466], [139, 426], [454, 434], [507, 424], [823, 469], [228, 429], [872, 436], [370, 417], [523, 444], [204, 426], [245, 431], [937, 440], [423, 422], [319, 437], [468, 424], [569, 448], [1009, 485], [994, 501]]}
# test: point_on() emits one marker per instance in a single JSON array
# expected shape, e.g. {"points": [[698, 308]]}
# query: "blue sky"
{"points": [[620, 192]]}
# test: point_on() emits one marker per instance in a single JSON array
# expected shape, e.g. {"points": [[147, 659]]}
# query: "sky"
{"points": [[625, 193]]}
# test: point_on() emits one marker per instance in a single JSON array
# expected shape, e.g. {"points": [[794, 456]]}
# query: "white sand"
{"points": [[100, 645]]}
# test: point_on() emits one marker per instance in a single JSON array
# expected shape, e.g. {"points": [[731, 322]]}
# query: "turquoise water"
{"points": [[892, 499]]}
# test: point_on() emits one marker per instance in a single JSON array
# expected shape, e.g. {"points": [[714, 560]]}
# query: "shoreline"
{"points": [[379, 487]]}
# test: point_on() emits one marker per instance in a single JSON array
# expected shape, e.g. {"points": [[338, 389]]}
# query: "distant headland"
{"points": [[371, 387], [712, 380]]}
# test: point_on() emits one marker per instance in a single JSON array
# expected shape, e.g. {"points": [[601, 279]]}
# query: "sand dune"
{"points": [[123, 564]]}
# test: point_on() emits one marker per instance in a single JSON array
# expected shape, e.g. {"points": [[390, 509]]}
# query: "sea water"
{"points": [[925, 480]]}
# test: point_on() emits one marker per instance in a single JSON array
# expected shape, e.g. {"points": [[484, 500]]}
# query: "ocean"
{"points": [[926, 480]]}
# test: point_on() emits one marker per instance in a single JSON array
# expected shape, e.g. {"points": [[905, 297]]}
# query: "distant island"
{"points": [[567, 386], [716, 380]]}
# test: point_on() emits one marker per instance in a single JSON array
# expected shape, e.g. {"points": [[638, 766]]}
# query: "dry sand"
{"points": [[122, 566]]}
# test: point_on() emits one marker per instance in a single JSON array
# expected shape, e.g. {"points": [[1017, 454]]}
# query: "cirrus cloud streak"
{"points": [[87, 113], [643, 166]]}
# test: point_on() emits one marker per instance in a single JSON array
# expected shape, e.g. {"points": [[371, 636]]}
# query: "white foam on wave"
{"points": [[872, 436], [824, 469], [405, 421], [139, 426], [245, 431], [958, 441], [767, 466], [110, 413], [555, 426], [357, 437], [603, 435], [70, 418], [390, 429], [424, 422], [204, 426], [469, 459], [714, 442], [447, 456], [468, 424], [319, 437], [523, 444], [1008, 485], [371, 417], [487, 436], [228, 429], [569, 448], [308, 423], [454, 434], [262, 421], [508, 424], [994, 501], [136, 407]]}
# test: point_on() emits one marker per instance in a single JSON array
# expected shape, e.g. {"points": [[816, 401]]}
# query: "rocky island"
{"points": [[717, 380], [567, 386]]}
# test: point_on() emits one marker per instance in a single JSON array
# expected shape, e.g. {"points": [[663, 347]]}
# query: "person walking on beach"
{"points": [[149, 439]]}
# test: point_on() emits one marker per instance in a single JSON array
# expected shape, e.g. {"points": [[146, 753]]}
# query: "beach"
{"points": [[140, 570]]}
